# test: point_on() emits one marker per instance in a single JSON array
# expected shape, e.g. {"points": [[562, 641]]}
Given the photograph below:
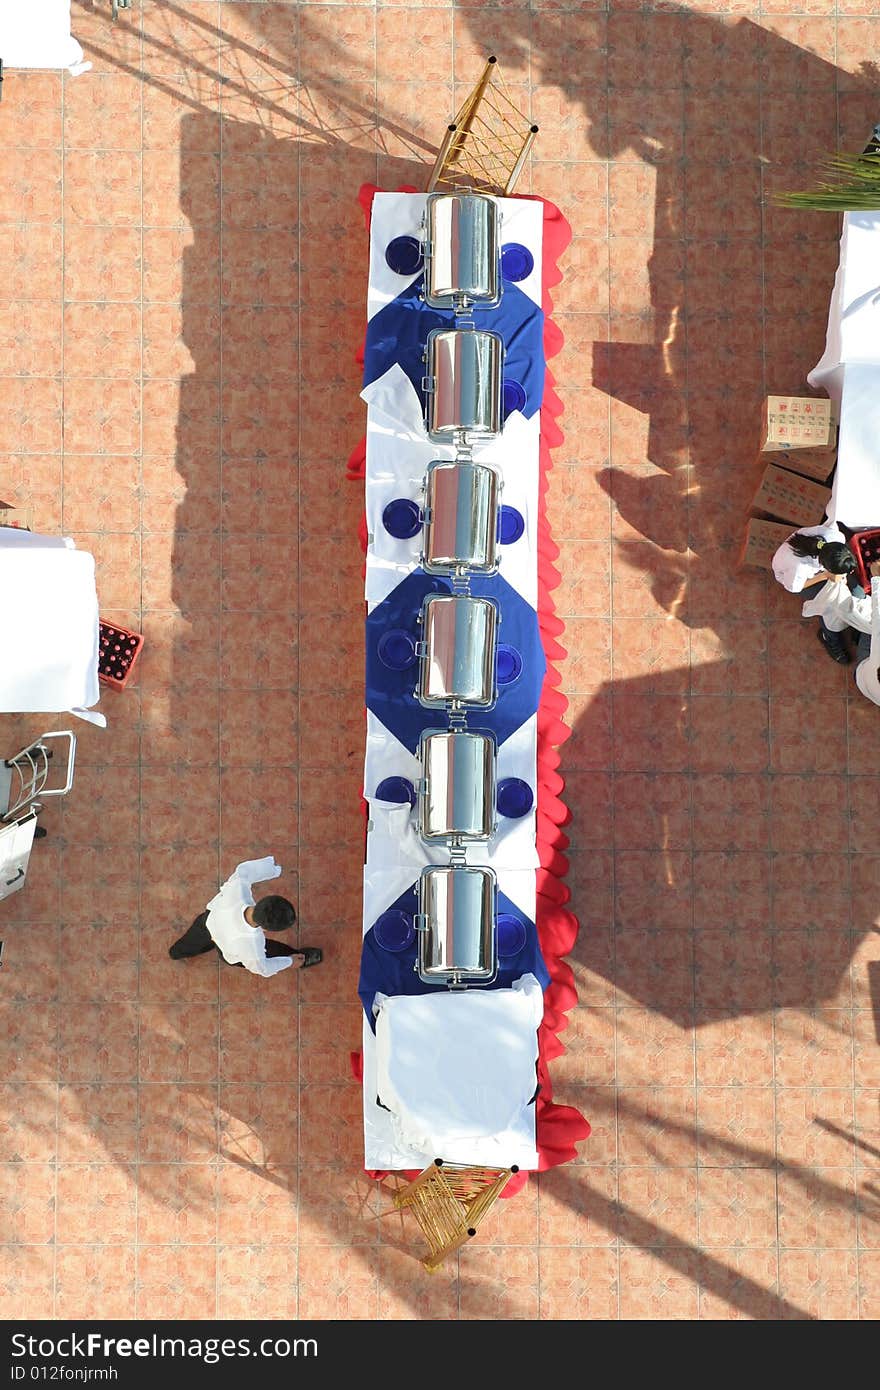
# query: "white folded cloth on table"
{"points": [[457, 1069], [36, 34], [48, 625]]}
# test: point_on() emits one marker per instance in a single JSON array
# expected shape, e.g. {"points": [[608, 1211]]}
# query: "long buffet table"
{"points": [[849, 371], [446, 1073]]}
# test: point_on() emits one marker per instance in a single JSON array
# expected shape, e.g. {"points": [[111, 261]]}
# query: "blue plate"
{"points": [[511, 525], [394, 930], [397, 649], [511, 934], [402, 518], [515, 798], [514, 396], [397, 789], [517, 261], [404, 256], [509, 664]]}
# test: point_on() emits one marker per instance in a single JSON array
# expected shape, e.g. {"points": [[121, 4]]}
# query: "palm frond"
{"points": [[852, 184]]}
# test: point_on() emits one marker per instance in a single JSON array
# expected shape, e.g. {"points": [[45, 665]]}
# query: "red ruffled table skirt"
{"points": [[558, 1127]]}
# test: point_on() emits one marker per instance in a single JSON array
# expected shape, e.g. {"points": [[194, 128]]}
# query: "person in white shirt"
{"points": [[867, 673], [808, 559], [234, 924]]}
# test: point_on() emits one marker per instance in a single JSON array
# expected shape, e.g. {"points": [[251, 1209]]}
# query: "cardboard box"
{"points": [[15, 516], [763, 539], [798, 422], [789, 497], [810, 463]]}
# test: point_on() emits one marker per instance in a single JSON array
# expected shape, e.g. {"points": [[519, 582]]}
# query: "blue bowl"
{"points": [[394, 930], [404, 256], [396, 789], [514, 396], [515, 798], [402, 518], [511, 934], [397, 649], [509, 664], [511, 525], [517, 261]]}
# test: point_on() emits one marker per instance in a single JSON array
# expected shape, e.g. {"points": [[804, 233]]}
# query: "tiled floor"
{"points": [[181, 293]]}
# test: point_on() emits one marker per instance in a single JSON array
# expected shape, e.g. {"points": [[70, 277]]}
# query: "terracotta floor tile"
{"points": [[95, 1281], [657, 1125], [28, 1042], [177, 1204], [653, 889], [736, 1127], [738, 1208], [731, 891], [813, 1048], [739, 1283], [817, 1208], [655, 1285], [257, 1276], [99, 963], [181, 1277], [96, 1204], [735, 1051], [500, 1284], [256, 1203], [177, 1124], [732, 972], [30, 415], [97, 1123], [337, 1283], [178, 1042], [31, 187], [658, 1207], [178, 264], [819, 1284], [578, 1282], [27, 1281], [28, 1200], [578, 1206], [655, 969]]}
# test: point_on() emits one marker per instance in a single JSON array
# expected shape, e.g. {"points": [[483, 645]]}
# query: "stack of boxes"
{"points": [[799, 440]]}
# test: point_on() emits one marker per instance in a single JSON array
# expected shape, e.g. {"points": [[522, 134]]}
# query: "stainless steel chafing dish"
{"points": [[457, 789], [461, 518], [456, 926], [464, 384], [462, 251], [457, 654]]}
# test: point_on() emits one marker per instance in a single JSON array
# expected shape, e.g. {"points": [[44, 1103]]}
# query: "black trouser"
{"points": [[196, 940]]}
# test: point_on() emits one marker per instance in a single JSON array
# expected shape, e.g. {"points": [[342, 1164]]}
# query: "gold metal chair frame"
{"points": [[449, 1200], [487, 144]]}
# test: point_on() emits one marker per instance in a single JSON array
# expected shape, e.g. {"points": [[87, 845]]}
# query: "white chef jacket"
{"points": [[794, 572], [237, 941], [866, 671], [838, 608]]}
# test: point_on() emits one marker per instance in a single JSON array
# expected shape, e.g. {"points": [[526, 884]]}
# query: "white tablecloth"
{"points": [[456, 1072], [49, 628], [36, 34], [849, 370]]}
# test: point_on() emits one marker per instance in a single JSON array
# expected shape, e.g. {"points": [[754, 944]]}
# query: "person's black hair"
{"points": [[274, 913], [832, 555]]}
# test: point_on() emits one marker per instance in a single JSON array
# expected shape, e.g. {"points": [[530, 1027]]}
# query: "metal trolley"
{"points": [[23, 779]]}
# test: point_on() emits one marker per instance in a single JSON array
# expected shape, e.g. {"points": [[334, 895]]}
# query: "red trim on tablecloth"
{"points": [[558, 1127]]}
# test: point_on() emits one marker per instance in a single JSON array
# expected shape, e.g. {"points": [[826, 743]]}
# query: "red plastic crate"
{"points": [[118, 650], [865, 545]]}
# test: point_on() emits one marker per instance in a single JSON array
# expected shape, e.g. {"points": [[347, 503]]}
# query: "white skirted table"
{"points": [[49, 629], [849, 371]]}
